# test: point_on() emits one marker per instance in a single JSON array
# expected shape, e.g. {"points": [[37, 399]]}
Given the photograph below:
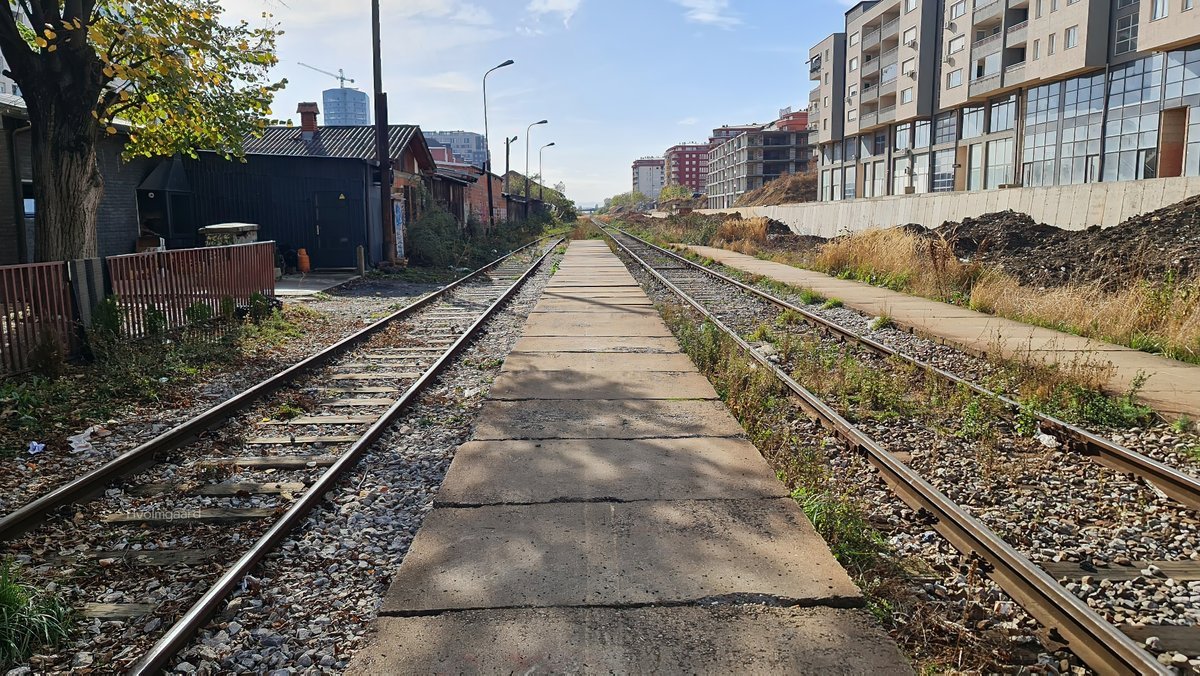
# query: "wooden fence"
{"points": [[161, 290], [35, 306]]}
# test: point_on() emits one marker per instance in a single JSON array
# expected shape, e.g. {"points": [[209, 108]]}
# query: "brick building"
{"points": [[687, 164]]}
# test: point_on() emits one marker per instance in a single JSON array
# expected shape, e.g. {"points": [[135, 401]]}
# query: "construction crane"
{"points": [[340, 75]]}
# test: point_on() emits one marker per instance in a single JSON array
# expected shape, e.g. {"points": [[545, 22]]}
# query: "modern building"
{"points": [[345, 107], [756, 157], [923, 96], [648, 176], [726, 132], [467, 145], [686, 164]]}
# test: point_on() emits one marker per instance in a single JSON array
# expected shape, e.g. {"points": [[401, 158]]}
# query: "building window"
{"points": [[954, 79], [945, 128], [851, 115], [910, 35], [920, 172], [909, 66], [958, 9], [903, 137], [901, 173], [853, 39], [1003, 115], [972, 122], [975, 167], [906, 95], [921, 133], [958, 44], [943, 171], [1071, 37], [848, 187], [30, 207], [1037, 49], [999, 163], [910, 5], [1158, 9], [853, 64], [1127, 35], [1050, 44]]}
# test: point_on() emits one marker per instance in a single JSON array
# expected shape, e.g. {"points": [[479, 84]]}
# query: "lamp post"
{"points": [[507, 148], [383, 145], [487, 149], [541, 176], [528, 131]]}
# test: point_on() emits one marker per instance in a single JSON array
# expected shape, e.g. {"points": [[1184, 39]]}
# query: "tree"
{"points": [[170, 69], [674, 192]]}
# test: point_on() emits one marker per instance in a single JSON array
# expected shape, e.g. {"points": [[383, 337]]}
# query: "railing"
{"points": [[867, 120], [985, 41], [1015, 67], [984, 84], [870, 39], [1018, 26], [980, 4], [890, 28], [885, 113], [163, 290], [35, 307]]}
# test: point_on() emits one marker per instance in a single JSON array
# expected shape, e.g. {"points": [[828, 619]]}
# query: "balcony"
{"points": [[986, 46], [1014, 75], [886, 88], [986, 10], [869, 68], [887, 114], [815, 95], [868, 94], [984, 85], [870, 40], [867, 120], [890, 29], [1018, 34]]}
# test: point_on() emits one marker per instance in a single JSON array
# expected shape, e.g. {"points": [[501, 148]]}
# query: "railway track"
{"points": [[1099, 643], [231, 483]]}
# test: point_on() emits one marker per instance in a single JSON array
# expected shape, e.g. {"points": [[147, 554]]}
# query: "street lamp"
{"points": [[487, 149], [528, 131], [541, 176], [507, 155]]}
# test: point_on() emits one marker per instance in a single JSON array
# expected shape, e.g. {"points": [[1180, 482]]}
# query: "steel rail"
{"points": [[1176, 484], [182, 631], [90, 483], [1097, 642]]}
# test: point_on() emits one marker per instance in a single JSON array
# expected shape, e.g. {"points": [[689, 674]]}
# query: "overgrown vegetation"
{"points": [[30, 620], [57, 400]]}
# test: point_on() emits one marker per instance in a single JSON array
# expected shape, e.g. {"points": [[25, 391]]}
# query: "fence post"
{"points": [[87, 286], [362, 261]]}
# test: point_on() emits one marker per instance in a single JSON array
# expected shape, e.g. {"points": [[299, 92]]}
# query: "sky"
{"points": [[617, 79]]}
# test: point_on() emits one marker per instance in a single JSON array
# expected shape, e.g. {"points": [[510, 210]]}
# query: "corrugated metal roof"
{"points": [[356, 142]]}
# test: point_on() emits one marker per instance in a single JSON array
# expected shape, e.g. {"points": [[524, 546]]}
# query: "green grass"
{"points": [[881, 322], [810, 297], [29, 620], [840, 521], [831, 304]]}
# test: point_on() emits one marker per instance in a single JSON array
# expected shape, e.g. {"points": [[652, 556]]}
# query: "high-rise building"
{"points": [[345, 107], [757, 156], [686, 164], [467, 145], [648, 176], [943, 95]]}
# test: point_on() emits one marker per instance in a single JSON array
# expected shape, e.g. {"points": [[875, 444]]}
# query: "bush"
{"points": [[29, 620], [434, 239]]}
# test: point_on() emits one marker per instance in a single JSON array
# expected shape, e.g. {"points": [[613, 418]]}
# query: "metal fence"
{"points": [[35, 306], [161, 289]]}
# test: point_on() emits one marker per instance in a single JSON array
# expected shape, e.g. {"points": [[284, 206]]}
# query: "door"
{"points": [[1172, 139], [337, 240]]}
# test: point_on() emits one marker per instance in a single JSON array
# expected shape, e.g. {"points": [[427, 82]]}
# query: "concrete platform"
{"points": [[558, 470], [722, 639], [610, 516], [1173, 388], [612, 553]]}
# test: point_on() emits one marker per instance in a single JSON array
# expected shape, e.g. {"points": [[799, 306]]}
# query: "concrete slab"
{"points": [[299, 286], [596, 344], [612, 385], [614, 553], [593, 325], [709, 640], [604, 419], [597, 362], [558, 470]]}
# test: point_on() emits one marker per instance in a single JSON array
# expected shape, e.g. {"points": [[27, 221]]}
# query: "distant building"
{"points": [[756, 157], [442, 154], [686, 164], [648, 176], [467, 146], [345, 107], [7, 86], [726, 132]]}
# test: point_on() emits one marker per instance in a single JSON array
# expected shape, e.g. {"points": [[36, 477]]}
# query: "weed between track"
{"points": [[29, 620]]}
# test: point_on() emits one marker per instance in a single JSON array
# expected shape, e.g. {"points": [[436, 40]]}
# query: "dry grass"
{"points": [[743, 235], [899, 260]]}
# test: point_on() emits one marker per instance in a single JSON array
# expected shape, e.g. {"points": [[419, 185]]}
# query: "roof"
{"points": [[446, 173], [349, 142]]}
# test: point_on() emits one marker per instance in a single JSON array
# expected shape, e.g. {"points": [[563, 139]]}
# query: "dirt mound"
{"points": [[1153, 246], [787, 189]]}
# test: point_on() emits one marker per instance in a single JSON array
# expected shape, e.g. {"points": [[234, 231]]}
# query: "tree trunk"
{"points": [[66, 177]]}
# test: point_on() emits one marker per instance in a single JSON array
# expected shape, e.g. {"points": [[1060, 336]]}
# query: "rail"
{"points": [[1097, 642]]}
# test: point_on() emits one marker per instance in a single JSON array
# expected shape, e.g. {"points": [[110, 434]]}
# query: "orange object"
{"points": [[302, 261]]}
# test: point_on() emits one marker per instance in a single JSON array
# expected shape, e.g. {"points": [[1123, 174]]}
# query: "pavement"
{"points": [[609, 516], [293, 286], [1172, 387]]}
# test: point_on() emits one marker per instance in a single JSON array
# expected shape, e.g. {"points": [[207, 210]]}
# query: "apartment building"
{"points": [[648, 176], [946, 95], [686, 164], [756, 157], [468, 146]]}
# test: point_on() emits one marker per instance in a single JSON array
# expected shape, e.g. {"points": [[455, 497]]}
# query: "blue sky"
{"points": [[618, 79]]}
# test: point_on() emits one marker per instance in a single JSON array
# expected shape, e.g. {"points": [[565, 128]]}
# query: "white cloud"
{"points": [[709, 12], [452, 81], [688, 121], [564, 8]]}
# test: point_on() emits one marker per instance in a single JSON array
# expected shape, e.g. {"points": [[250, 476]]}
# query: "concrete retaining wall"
{"points": [[1073, 207]]}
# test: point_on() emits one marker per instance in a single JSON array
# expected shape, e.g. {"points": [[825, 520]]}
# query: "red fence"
{"points": [[35, 305], [171, 282]]}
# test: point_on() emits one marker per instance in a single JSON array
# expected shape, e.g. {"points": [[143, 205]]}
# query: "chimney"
{"points": [[308, 118]]}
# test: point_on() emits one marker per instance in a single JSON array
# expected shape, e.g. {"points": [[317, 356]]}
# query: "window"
{"points": [[1188, 4], [975, 167], [921, 133], [954, 79], [909, 66], [972, 122], [1071, 37], [910, 5], [999, 163], [853, 39], [910, 35], [906, 95], [851, 115], [1037, 49], [27, 200], [1158, 9], [1038, 11], [901, 175], [1127, 35], [903, 137], [826, 105], [945, 128], [1003, 115], [958, 44], [958, 9], [1053, 5], [943, 171], [848, 187], [854, 64]]}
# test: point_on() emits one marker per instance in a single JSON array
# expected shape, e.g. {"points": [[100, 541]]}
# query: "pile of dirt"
{"points": [[1154, 246], [787, 189]]}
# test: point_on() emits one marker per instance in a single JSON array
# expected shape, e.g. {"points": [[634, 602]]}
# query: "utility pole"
{"points": [[383, 152], [542, 176], [487, 151], [507, 157], [528, 133]]}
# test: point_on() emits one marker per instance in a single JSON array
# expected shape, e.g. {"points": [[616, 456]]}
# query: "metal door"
{"points": [[337, 241]]}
